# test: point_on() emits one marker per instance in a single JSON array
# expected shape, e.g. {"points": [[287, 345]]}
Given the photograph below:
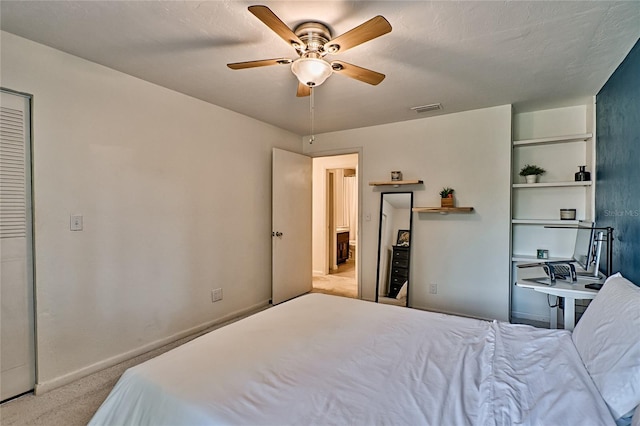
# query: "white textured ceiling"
{"points": [[465, 55]]}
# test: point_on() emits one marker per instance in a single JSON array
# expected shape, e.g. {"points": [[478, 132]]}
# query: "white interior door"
{"points": [[17, 343], [291, 219]]}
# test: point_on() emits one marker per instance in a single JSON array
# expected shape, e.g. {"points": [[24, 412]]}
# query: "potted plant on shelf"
{"points": [[531, 173], [446, 197]]}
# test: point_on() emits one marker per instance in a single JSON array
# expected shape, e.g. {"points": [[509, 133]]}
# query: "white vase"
{"points": [[531, 178]]}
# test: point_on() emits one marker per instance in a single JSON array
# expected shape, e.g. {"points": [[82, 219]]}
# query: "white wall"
{"points": [[176, 198], [401, 218], [466, 255]]}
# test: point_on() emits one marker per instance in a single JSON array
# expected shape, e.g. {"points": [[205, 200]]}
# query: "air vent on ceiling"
{"points": [[427, 108]]}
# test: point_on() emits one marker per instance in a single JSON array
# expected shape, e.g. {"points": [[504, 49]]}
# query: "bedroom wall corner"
{"points": [[466, 255], [176, 199]]}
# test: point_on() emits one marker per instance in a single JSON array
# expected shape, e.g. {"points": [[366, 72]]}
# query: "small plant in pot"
{"points": [[531, 173], [446, 197]]}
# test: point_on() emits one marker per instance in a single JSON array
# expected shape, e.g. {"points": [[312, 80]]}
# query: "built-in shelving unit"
{"points": [[443, 210], [558, 140], [543, 222], [550, 184], [397, 183], [532, 259], [555, 139]]}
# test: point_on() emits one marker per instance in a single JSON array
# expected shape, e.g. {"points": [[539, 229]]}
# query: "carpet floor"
{"points": [[340, 283]]}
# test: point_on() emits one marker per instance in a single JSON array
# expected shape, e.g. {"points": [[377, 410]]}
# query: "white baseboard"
{"points": [[42, 387]]}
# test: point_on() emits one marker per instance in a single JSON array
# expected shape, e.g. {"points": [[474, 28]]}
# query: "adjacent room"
{"points": [[216, 211], [335, 224]]}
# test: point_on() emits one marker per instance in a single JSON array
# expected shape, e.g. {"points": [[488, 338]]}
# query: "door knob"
{"points": [[276, 234]]}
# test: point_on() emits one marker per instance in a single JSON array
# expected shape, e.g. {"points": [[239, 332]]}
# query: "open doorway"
{"points": [[335, 225]]}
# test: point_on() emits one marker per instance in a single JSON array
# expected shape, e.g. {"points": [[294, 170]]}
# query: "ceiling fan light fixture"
{"points": [[311, 72]]}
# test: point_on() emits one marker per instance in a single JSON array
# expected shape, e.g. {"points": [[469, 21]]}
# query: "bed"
{"points": [[321, 359]]}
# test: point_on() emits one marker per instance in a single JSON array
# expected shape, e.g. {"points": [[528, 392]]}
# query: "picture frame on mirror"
{"points": [[404, 238]]}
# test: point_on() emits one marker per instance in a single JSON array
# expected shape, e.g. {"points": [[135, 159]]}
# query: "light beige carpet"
{"points": [[340, 283]]}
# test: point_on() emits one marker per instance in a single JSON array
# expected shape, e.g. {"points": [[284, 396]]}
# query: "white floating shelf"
{"points": [[397, 183], [443, 210], [551, 184], [531, 259], [543, 222], [555, 139]]}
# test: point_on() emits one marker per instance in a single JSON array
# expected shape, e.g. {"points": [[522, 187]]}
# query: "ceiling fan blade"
{"points": [[303, 90], [374, 27], [260, 63], [359, 73], [270, 19]]}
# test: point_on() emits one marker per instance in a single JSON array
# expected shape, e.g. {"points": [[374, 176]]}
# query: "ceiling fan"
{"points": [[312, 42]]}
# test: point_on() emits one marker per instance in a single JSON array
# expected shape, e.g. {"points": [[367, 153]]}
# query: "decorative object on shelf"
{"points": [[583, 175], [404, 238], [542, 254], [531, 173], [568, 214], [446, 197], [396, 175]]}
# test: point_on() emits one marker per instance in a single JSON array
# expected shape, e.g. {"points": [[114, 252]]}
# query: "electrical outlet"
{"points": [[433, 288], [76, 222], [216, 295]]}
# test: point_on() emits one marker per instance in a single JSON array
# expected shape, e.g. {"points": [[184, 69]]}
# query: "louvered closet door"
{"points": [[17, 353]]}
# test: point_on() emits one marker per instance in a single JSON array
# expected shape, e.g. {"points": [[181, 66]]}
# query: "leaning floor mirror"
{"points": [[394, 248]]}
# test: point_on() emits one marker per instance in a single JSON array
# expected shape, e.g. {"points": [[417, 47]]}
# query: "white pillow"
{"points": [[403, 291], [608, 340]]}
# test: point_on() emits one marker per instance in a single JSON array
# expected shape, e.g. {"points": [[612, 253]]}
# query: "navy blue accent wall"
{"points": [[617, 195]]}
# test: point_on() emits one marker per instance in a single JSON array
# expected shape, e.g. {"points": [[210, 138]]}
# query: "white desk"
{"points": [[565, 289]]}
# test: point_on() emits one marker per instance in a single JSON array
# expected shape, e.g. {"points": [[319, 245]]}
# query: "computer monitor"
{"points": [[583, 250], [586, 252]]}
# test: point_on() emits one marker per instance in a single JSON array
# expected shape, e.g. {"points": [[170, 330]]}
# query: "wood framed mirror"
{"points": [[394, 248]]}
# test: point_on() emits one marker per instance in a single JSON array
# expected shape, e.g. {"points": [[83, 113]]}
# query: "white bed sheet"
{"points": [[327, 360]]}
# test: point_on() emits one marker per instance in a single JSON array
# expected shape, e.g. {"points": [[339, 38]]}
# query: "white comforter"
{"points": [[328, 360]]}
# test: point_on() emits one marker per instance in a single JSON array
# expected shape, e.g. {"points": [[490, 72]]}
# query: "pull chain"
{"points": [[311, 111]]}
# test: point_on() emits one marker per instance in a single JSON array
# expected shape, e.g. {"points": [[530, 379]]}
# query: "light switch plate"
{"points": [[76, 222]]}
